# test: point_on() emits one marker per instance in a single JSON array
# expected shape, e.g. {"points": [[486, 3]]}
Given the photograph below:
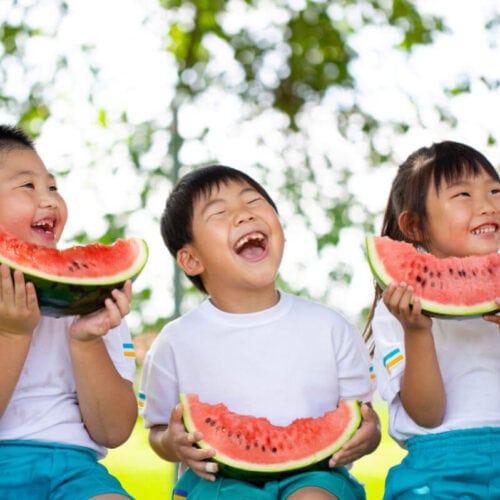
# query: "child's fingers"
{"points": [[19, 289], [31, 297], [397, 297], [205, 470], [6, 284], [492, 318], [176, 415], [122, 300], [127, 289]]}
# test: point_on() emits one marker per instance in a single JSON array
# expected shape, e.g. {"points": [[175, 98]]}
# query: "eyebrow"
{"points": [[23, 173], [213, 202]]}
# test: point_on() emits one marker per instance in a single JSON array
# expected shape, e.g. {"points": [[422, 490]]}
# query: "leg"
{"points": [[312, 493], [109, 496]]}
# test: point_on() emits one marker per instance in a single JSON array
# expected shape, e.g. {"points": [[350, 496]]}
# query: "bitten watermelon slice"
{"points": [[75, 280], [452, 286], [253, 449]]}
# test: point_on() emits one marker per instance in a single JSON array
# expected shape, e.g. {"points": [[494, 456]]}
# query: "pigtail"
{"points": [[390, 227]]}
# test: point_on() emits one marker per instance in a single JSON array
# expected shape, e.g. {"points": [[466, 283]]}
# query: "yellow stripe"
{"points": [[394, 361], [129, 354]]}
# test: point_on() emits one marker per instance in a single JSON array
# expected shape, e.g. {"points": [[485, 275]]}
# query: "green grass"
{"points": [[146, 477]]}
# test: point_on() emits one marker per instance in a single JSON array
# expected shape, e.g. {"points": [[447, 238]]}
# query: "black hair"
{"points": [[445, 161], [12, 137], [176, 222]]}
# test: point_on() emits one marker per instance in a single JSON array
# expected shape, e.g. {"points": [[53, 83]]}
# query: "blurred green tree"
{"points": [[280, 59]]}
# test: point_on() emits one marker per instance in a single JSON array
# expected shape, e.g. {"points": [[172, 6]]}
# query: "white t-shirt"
{"points": [[44, 405], [468, 351], [296, 359]]}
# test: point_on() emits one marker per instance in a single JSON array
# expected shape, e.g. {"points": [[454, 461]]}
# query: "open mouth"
{"points": [[252, 246], [45, 227], [485, 229]]}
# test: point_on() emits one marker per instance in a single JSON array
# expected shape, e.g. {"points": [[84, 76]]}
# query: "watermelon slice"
{"points": [[75, 280], [253, 449], [448, 287]]}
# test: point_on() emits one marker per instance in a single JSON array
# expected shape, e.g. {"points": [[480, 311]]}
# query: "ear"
{"points": [[188, 261], [410, 226]]}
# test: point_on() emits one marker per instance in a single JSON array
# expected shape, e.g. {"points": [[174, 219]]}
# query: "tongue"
{"points": [[251, 252]]}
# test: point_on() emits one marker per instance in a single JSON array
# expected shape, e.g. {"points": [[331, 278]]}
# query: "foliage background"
{"points": [[318, 100]]}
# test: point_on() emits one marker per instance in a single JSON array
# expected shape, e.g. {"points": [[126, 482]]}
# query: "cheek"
{"points": [[63, 210], [16, 226]]}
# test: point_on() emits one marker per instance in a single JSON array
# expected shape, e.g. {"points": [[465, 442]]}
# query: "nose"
{"points": [[489, 205], [244, 216], [48, 200]]}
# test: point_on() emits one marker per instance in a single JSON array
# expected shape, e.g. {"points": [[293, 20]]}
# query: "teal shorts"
{"points": [[43, 471], [461, 464], [337, 481]]}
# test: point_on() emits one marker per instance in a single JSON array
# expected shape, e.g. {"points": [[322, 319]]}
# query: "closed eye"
{"points": [[254, 200], [218, 213]]}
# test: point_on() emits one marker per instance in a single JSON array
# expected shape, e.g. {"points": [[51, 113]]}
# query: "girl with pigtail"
{"points": [[440, 377]]}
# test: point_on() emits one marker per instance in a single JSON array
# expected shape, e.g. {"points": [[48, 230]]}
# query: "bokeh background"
{"points": [[318, 100]]}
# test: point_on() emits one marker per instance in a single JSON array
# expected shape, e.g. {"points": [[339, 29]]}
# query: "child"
{"points": [[66, 387], [443, 384], [259, 350]]}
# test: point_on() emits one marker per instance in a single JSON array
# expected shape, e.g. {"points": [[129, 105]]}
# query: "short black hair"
{"points": [[12, 137], [177, 219]]}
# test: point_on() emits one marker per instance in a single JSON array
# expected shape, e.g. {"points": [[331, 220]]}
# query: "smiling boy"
{"points": [[257, 349], [66, 392]]}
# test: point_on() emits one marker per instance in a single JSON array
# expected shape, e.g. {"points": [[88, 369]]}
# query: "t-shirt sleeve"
{"points": [[158, 387], [118, 342], [353, 365], [389, 356]]}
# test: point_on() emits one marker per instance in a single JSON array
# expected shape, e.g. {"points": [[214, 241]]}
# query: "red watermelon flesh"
{"points": [[452, 286], [253, 449], [75, 280]]}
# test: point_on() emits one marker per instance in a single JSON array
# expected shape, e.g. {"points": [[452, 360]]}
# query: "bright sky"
{"points": [[128, 37]]}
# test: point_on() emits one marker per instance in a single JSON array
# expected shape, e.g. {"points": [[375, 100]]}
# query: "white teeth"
{"points": [[48, 224], [249, 237], [484, 230]]}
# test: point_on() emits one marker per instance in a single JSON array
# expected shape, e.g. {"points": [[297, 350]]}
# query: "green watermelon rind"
{"points": [[432, 308], [249, 471]]}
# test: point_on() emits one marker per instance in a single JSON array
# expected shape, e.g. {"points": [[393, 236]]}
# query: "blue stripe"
{"points": [[390, 355], [128, 346]]}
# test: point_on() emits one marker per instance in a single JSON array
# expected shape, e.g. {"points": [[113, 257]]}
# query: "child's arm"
{"points": [[174, 444], [107, 401], [19, 315], [365, 440], [422, 390]]}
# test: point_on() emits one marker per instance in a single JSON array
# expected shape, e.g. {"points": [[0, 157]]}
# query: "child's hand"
{"points": [[493, 318], [401, 302], [19, 311], [181, 443], [365, 440], [97, 324]]}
